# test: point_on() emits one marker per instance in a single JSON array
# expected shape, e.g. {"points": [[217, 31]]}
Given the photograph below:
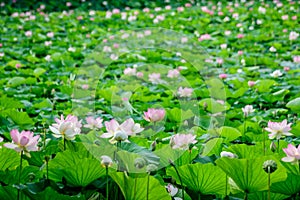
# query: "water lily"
{"points": [[279, 129], [154, 115], [67, 128], [24, 141], [182, 141], [292, 154]]}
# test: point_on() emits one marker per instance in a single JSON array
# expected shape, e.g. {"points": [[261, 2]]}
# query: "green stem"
{"points": [[180, 181], [190, 156], [199, 196], [246, 196], [226, 185], [264, 142], [20, 172], [64, 144], [278, 146], [244, 133], [148, 178], [47, 169], [269, 183], [134, 188], [106, 169]]}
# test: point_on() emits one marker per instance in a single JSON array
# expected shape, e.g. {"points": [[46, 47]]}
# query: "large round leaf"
{"points": [[77, 168], [136, 188], [203, 178]]}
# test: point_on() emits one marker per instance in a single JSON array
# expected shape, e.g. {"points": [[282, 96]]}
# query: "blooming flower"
{"points": [[292, 154], [172, 190], [50, 34], [154, 78], [247, 110], [293, 35], [276, 73], [130, 71], [118, 132], [67, 128], [204, 37], [93, 123], [278, 129], [28, 33], [154, 115], [185, 92], [173, 73], [24, 141], [182, 141], [296, 59]]}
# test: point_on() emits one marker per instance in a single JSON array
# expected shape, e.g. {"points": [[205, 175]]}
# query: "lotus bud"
{"points": [[140, 163], [106, 161], [151, 168], [227, 154], [270, 166], [120, 136], [153, 145]]}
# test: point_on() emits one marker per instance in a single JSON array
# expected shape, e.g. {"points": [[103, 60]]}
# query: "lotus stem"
{"points": [[106, 170], [278, 146], [148, 178], [182, 188], [134, 187], [20, 172], [64, 144], [269, 181]]}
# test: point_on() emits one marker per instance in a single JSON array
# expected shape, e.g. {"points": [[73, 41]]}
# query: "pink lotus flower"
{"points": [[93, 123], [278, 129], [172, 190], [296, 59], [247, 110], [154, 78], [292, 154], [24, 141], [67, 128], [18, 65], [219, 61], [173, 73], [223, 76], [182, 141], [28, 33], [118, 132], [154, 115], [130, 71], [293, 35], [240, 36], [286, 69], [185, 92], [251, 83], [50, 34], [204, 37]]}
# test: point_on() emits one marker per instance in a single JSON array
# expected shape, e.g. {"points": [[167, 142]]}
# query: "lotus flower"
{"points": [[292, 153], [276, 73], [185, 92], [247, 110], [24, 141], [278, 129], [93, 123], [227, 154], [154, 115], [67, 128], [118, 132], [182, 141]]}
